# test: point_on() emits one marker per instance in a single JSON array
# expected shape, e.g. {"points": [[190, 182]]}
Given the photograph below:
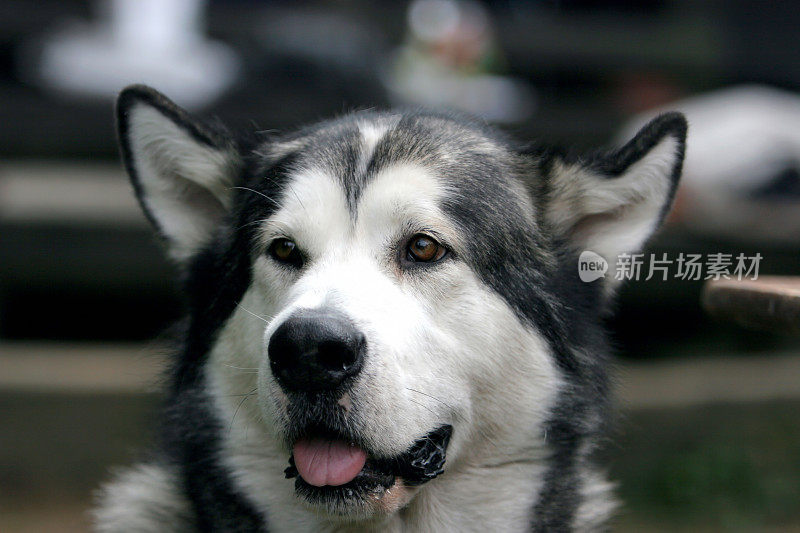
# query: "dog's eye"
{"points": [[423, 249], [285, 251]]}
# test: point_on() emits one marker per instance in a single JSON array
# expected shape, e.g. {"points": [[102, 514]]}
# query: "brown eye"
{"points": [[285, 251], [423, 249]]}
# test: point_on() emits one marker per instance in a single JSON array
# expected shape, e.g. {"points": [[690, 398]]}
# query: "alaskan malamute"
{"points": [[386, 326]]}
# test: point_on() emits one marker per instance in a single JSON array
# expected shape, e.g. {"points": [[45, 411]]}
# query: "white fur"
{"points": [[143, 499]]}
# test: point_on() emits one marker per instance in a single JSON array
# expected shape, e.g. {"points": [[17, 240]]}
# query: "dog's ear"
{"points": [[612, 203], [182, 171]]}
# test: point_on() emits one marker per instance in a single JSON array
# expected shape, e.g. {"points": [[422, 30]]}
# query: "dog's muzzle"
{"points": [[314, 355]]}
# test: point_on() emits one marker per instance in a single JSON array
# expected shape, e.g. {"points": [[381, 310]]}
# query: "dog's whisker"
{"points": [[261, 318], [432, 398], [241, 402], [240, 367], [256, 192], [297, 197], [423, 406], [453, 410], [252, 223]]}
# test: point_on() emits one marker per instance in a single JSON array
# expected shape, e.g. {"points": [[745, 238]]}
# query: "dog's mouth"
{"points": [[338, 473]]}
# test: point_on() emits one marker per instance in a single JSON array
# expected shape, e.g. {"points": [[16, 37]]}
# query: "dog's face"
{"points": [[382, 287]]}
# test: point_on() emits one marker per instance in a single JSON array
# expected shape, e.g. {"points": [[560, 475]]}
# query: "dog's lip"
{"points": [[423, 461]]}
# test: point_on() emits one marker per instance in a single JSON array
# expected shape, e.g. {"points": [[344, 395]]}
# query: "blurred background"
{"points": [[708, 432]]}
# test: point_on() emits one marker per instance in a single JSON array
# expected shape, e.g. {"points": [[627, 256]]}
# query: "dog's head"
{"points": [[389, 288]]}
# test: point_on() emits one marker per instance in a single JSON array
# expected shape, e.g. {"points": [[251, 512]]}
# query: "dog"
{"points": [[386, 326]]}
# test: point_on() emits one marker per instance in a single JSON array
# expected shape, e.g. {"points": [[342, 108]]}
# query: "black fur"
{"points": [[215, 283]]}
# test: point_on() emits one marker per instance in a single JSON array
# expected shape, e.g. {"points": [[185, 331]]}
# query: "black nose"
{"points": [[315, 350]]}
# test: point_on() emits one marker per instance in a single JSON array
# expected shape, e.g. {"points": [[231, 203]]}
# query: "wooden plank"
{"points": [[80, 368], [68, 193], [769, 303]]}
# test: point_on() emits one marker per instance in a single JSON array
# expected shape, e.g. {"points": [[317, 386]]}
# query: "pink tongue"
{"points": [[328, 462]]}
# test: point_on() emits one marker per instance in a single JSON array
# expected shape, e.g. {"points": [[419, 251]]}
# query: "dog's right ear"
{"points": [[182, 171]]}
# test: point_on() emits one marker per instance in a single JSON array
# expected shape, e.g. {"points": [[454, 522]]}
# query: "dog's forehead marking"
{"points": [[342, 148], [372, 131]]}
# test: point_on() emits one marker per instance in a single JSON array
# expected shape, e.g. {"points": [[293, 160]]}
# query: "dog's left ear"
{"points": [[182, 170], [611, 204]]}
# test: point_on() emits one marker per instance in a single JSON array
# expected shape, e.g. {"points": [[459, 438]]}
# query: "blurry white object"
{"points": [[157, 42], [741, 141], [444, 64], [494, 98]]}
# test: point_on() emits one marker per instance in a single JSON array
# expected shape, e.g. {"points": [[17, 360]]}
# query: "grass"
{"points": [[729, 467]]}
